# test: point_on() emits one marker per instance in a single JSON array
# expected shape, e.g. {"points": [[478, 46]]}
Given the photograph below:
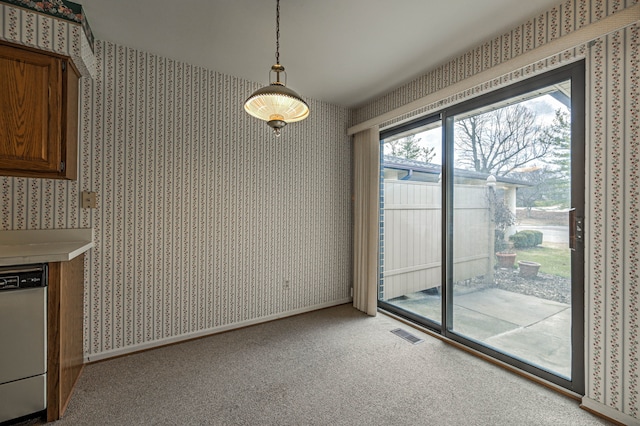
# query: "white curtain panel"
{"points": [[366, 181]]}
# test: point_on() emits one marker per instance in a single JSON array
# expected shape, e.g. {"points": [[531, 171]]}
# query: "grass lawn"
{"points": [[552, 260]]}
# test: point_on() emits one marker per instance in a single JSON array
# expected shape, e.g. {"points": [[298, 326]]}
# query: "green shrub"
{"points": [[520, 240], [538, 237], [526, 238]]}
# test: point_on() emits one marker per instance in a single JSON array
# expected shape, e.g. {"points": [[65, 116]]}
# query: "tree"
{"points": [[409, 147], [550, 182], [502, 218], [541, 180], [559, 185], [500, 141]]}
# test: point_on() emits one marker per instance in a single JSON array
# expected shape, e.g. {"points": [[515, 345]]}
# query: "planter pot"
{"points": [[506, 260], [528, 269]]}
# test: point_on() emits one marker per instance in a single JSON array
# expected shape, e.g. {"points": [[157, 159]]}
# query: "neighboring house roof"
{"points": [[418, 171]]}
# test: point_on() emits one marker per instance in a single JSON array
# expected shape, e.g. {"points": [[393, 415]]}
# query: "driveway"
{"points": [[551, 233]]}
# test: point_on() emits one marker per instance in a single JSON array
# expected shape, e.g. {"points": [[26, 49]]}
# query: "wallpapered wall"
{"points": [[613, 176], [613, 206], [205, 220]]}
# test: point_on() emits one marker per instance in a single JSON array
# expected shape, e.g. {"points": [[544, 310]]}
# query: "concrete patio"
{"points": [[527, 327]]}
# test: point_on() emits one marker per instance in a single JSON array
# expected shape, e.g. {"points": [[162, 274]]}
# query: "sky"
{"points": [[544, 106]]}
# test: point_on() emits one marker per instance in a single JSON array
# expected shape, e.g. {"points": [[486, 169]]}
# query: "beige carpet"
{"points": [[330, 367]]}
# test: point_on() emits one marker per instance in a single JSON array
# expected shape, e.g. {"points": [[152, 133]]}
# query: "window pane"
{"points": [[412, 212], [511, 197]]}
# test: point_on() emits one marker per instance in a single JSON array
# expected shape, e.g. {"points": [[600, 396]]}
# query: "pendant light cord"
{"points": [[278, 32]]}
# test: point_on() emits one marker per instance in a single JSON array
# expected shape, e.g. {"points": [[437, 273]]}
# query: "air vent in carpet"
{"points": [[407, 336]]}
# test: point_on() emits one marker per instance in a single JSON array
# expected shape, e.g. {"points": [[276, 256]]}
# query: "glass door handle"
{"points": [[576, 229]]}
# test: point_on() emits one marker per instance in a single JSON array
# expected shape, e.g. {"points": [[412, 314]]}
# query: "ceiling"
{"points": [[343, 52]]}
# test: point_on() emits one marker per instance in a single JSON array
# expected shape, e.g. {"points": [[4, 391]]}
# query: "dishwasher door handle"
{"points": [[14, 270]]}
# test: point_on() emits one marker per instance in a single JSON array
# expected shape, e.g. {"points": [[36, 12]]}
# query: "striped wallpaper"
{"points": [[205, 220], [613, 206], [613, 179]]}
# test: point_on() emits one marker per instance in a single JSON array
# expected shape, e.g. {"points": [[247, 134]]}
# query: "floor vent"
{"points": [[407, 336]]}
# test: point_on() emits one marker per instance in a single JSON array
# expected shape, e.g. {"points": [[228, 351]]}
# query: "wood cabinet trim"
{"points": [[53, 342], [65, 339]]}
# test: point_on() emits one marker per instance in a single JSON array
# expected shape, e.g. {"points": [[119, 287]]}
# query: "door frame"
{"points": [[576, 72]]}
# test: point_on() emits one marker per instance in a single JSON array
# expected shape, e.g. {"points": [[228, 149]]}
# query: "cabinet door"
{"points": [[30, 111]]}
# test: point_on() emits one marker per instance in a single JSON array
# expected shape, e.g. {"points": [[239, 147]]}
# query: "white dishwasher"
{"points": [[23, 340]]}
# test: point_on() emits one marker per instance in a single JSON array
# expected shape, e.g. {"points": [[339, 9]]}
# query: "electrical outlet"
{"points": [[89, 200]]}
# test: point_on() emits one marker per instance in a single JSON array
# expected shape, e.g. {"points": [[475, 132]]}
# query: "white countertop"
{"points": [[43, 246]]}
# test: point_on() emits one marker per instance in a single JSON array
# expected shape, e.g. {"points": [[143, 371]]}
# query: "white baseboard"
{"points": [[609, 412], [207, 332]]}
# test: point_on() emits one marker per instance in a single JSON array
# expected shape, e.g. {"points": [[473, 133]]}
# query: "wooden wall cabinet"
{"points": [[65, 357], [38, 114]]}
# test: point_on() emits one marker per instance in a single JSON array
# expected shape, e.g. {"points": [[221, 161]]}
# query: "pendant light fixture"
{"points": [[277, 104]]}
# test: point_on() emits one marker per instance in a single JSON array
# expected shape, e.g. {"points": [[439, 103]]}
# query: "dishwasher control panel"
{"points": [[23, 276]]}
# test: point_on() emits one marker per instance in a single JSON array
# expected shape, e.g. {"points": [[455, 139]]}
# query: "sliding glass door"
{"points": [[412, 220], [502, 177]]}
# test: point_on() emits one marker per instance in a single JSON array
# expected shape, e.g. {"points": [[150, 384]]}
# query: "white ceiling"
{"points": [[344, 52]]}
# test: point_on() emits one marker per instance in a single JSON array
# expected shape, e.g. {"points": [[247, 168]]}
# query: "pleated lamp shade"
{"points": [[277, 102]]}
